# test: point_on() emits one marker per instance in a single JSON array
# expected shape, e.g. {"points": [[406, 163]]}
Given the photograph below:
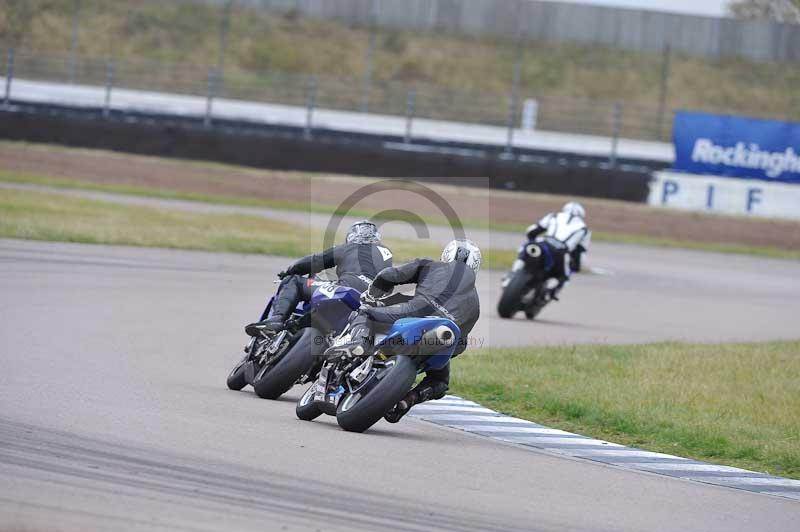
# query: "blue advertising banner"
{"points": [[736, 146]]}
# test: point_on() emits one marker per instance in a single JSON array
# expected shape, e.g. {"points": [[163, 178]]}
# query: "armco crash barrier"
{"points": [[725, 195], [287, 149]]}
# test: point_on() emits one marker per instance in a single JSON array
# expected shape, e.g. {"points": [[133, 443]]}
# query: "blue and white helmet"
{"points": [[363, 232], [463, 250]]}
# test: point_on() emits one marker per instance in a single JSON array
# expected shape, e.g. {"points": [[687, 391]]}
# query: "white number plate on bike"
{"points": [[321, 385], [328, 290]]}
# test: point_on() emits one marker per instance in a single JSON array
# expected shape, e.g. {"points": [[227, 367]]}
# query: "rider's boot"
{"points": [[285, 301], [357, 344], [425, 391], [272, 324]]}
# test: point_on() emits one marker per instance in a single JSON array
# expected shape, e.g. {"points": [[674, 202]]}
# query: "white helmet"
{"points": [[363, 232], [573, 208], [463, 251]]}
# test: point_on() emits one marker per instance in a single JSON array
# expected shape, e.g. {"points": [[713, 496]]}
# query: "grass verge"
{"points": [[497, 259], [733, 404], [40, 216], [43, 216]]}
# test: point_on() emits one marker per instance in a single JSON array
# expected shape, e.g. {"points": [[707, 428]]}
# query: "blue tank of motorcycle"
{"points": [[407, 334], [332, 305]]}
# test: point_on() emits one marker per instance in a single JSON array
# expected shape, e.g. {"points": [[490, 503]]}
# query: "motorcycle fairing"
{"points": [[409, 331]]}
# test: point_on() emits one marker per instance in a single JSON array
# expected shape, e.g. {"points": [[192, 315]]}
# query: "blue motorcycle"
{"points": [[359, 391], [274, 362]]}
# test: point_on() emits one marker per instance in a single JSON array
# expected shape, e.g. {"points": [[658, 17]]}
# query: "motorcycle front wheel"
{"points": [[306, 408], [236, 379], [359, 411]]}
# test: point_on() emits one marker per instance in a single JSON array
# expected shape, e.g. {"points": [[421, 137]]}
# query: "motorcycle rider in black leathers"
{"points": [[444, 288], [357, 261]]}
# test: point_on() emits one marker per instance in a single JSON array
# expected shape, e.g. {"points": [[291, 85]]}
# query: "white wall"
{"points": [[749, 197]]}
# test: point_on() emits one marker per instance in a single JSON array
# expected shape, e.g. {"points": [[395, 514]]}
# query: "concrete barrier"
{"points": [[748, 197]]}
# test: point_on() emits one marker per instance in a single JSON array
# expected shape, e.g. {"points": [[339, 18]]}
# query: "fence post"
{"points": [[366, 88], [73, 49], [411, 104], [662, 95], [9, 75], [224, 28], [515, 82], [617, 124], [311, 95], [109, 87], [210, 96]]}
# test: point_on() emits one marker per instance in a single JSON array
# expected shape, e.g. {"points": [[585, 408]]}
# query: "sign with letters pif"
{"points": [[737, 147]]}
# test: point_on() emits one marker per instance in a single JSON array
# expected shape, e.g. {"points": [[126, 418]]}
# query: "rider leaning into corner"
{"points": [[357, 261], [444, 288], [567, 237]]}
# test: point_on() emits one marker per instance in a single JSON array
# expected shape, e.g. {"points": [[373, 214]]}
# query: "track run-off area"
{"points": [[114, 413]]}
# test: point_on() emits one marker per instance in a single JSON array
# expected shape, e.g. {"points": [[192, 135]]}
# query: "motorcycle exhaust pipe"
{"points": [[442, 336]]}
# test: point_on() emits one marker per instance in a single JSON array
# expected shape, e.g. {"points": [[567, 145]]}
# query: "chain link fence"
{"points": [[241, 53], [415, 101]]}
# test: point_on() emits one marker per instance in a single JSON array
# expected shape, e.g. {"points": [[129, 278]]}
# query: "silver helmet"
{"points": [[363, 232], [463, 250]]}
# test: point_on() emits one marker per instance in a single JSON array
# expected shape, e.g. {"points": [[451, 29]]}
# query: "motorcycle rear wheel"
{"points": [[357, 413], [511, 298], [297, 360]]}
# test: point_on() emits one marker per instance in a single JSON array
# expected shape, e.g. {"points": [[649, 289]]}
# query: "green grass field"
{"points": [[735, 404], [42, 216], [266, 47], [497, 259], [39, 216]]}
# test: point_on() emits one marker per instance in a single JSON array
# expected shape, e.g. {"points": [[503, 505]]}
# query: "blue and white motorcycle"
{"points": [[274, 362], [360, 390]]}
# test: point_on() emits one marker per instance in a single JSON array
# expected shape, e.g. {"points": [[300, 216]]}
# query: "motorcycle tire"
{"points": [[533, 311], [236, 380], [536, 306], [306, 408], [511, 298], [357, 413], [297, 360]]}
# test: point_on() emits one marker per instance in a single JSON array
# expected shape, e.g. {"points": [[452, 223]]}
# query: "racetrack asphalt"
{"points": [[114, 412]]}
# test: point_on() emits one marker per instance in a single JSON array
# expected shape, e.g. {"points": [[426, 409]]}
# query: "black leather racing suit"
{"points": [[356, 265], [444, 289]]}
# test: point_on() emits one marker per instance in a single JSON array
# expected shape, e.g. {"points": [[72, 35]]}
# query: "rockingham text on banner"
{"points": [[737, 147]]}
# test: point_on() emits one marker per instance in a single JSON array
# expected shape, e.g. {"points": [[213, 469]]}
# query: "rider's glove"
{"points": [[369, 299], [285, 273]]}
